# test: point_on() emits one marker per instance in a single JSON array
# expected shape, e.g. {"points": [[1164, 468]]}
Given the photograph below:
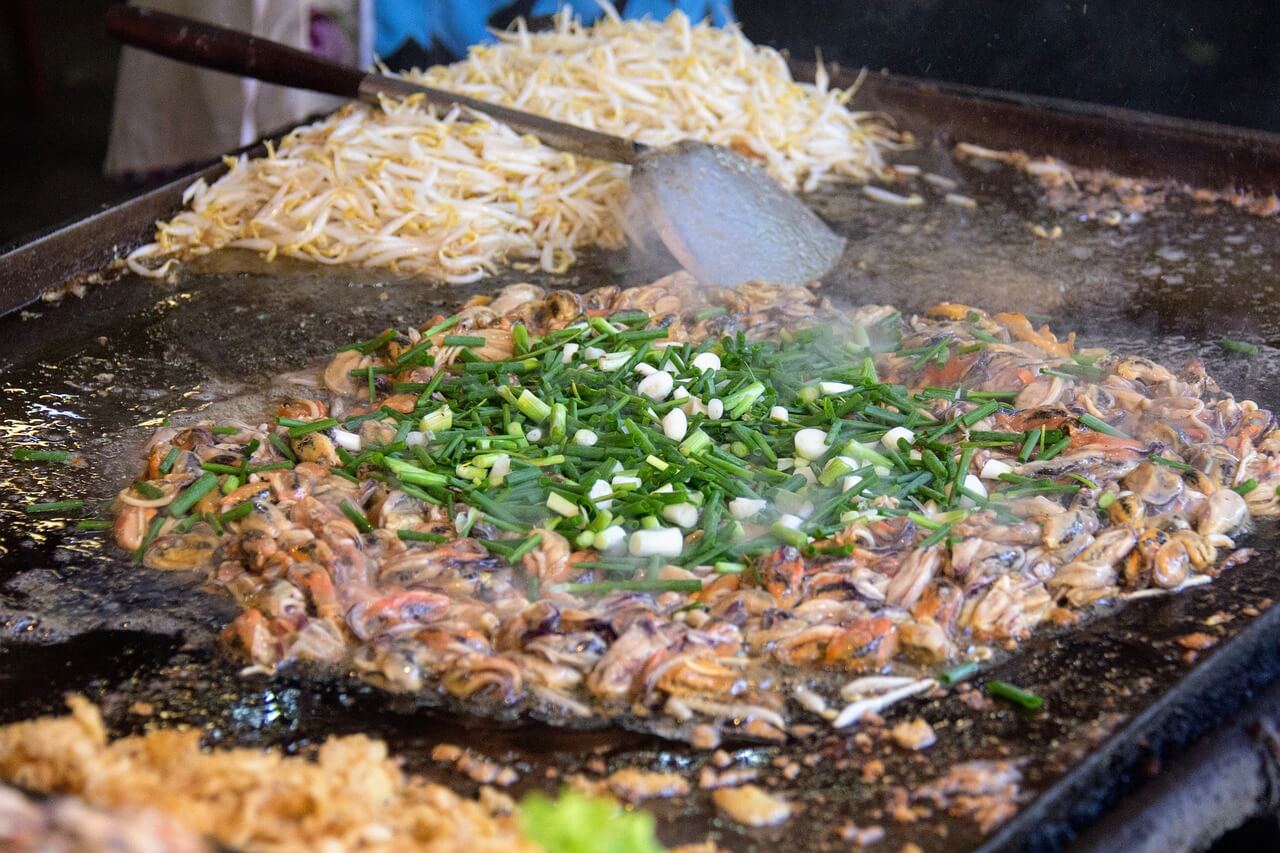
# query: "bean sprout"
{"points": [[454, 195]]}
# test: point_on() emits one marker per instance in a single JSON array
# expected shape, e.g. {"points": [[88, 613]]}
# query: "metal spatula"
{"points": [[722, 217]]}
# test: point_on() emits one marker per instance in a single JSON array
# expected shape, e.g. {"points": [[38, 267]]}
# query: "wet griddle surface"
{"points": [[99, 374]]}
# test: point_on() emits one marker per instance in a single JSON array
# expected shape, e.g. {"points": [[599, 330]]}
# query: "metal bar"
{"points": [[1125, 142], [71, 251], [1226, 779], [1215, 690]]}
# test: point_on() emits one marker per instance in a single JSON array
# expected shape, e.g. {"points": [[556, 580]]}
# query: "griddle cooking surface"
{"points": [[98, 375]]}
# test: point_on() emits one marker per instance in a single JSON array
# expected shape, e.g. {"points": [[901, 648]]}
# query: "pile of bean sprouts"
{"points": [[454, 195]]}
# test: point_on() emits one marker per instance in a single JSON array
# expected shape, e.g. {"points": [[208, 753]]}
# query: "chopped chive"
{"points": [[633, 586], [464, 341], [271, 466], [54, 506], [1171, 463], [356, 516], [443, 326], [282, 447], [225, 430], [1018, 696], [936, 536], [791, 536], [371, 345], [166, 464], [533, 407], [193, 493], [525, 547], [958, 673], [25, 454], [93, 524], [421, 536], [1101, 426], [979, 413], [236, 513], [148, 491], [1106, 499], [1054, 449], [1242, 347], [297, 430], [152, 532], [1246, 487]]}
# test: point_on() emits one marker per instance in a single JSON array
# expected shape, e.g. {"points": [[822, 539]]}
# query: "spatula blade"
{"points": [[727, 222]]}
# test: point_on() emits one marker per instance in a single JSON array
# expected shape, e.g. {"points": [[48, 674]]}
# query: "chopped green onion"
{"points": [[1246, 487], [791, 536], [197, 490], [696, 442], [148, 491], [93, 524], [633, 586], [410, 473], [533, 407], [236, 513], [464, 341], [443, 326], [1171, 463], [297, 430], [372, 345], [1029, 444], [517, 554], [958, 673], [561, 505], [54, 506], [282, 447], [166, 464], [355, 516], [1054, 449], [1016, 695], [835, 470], [559, 416], [421, 536], [25, 454], [152, 532], [439, 420], [1242, 347], [1101, 426], [979, 413]]}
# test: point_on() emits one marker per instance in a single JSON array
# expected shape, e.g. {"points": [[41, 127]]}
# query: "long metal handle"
{"points": [[557, 134], [234, 52]]}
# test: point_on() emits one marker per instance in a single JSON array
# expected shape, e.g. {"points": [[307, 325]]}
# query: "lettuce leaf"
{"points": [[576, 823]]}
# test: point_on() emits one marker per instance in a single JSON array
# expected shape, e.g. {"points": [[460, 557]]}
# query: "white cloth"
{"points": [[167, 114]]}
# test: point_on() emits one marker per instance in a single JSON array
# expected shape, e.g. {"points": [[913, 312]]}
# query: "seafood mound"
{"points": [[1003, 478]]}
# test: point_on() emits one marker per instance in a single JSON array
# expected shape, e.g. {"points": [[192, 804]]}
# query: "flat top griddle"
{"points": [[98, 374]]}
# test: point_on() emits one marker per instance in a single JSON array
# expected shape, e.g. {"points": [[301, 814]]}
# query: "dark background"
{"points": [[1217, 60]]}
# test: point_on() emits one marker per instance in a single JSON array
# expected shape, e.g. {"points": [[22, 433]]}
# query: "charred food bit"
{"points": [[751, 806]]}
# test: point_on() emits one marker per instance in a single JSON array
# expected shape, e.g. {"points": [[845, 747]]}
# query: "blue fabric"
{"points": [[458, 24], [719, 11]]}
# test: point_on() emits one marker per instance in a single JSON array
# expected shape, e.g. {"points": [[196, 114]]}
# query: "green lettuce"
{"points": [[576, 823]]}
